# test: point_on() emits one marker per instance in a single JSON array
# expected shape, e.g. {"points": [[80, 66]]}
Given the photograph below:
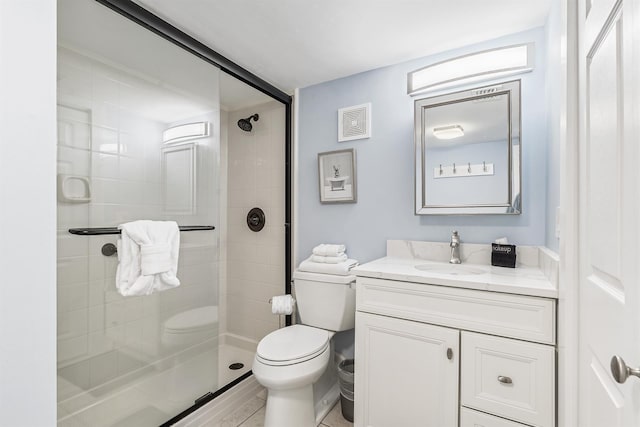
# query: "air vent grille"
{"points": [[354, 122]]}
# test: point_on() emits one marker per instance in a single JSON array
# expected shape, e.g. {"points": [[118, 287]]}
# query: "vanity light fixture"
{"points": [[488, 64], [448, 132], [185, 132]]}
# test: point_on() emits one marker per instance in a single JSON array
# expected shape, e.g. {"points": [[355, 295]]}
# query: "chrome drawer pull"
{"points": [[504, 380]]}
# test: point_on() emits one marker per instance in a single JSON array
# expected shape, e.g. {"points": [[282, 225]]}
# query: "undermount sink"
{"points": [[454, 269]]}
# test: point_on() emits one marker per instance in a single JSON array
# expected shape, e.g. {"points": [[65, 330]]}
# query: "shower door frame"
{"points": [[155, 24]]}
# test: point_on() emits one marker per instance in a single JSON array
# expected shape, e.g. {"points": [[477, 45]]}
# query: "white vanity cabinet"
{"points": [[410, 372], [446, 356]]}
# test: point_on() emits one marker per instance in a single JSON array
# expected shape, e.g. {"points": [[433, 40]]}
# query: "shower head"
{"points": [[245, 124]]}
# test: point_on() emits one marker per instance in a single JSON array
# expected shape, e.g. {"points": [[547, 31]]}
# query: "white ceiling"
{"points": [[297, 43], [164, 81], [235, 95]]}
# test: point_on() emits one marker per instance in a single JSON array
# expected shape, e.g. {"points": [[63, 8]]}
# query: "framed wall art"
{"points": [[337, 176]]}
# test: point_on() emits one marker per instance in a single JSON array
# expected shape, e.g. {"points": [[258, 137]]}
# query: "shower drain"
{"points": [[236, 366]]}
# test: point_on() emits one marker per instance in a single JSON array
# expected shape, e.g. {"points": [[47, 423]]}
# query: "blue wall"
{"points": [[477, 189], [385, 163]]}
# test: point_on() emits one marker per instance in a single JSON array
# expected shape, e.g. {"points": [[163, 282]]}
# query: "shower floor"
{"points": [[156, 394], [229, 354]]}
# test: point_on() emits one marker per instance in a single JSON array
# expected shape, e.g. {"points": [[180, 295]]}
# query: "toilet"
{"points": [[290, 360], [190, 327]]}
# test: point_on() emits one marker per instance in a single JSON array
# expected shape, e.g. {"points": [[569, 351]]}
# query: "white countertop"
{"points": [[523, 280]]}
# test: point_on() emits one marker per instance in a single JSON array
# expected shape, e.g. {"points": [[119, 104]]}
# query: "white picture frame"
{"points": [[337, 176]]}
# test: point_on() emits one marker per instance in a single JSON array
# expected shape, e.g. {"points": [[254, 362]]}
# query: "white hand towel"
{"points": [[147, 257], [340, 269], [329, 259], [329, 250]]}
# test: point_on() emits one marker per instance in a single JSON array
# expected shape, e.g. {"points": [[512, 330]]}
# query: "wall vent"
{"points": [[354, 122]]}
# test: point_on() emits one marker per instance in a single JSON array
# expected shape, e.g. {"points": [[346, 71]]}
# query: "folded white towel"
{"points": [[329, 259], [155, 259], [147, 257], [340, 269], [329, 250]]}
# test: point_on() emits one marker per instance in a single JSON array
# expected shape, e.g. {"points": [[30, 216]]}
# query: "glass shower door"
{"points": [[138, 138]]}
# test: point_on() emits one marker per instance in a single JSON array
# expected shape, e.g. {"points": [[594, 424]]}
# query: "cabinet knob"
{"points": [[621, 371], [504, 380], [449, 353]]}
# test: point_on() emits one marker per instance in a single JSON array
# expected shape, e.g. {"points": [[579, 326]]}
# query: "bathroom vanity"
{"points": [[446, 345]]}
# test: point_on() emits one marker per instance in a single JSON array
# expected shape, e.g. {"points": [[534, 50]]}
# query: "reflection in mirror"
{"points": [[467, 151]]}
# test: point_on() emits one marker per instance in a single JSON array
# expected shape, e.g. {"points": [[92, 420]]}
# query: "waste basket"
{"points": [[345, 376]]}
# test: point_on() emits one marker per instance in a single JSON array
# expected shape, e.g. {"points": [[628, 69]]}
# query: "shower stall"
{"points": [[150, 131]]}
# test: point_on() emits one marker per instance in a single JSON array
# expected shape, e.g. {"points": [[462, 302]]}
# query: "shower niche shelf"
{"points": [[98, 231]]}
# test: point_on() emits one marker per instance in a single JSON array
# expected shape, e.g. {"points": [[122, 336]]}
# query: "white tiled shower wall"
{"points": [[102, 335], [255, 260]]}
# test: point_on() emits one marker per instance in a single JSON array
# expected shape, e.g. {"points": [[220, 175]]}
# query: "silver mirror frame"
{"points": [[514, 205]]}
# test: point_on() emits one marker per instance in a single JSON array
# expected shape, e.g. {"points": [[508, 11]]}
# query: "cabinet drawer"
{"points": [[471, 418], [514, 316], [509, 378]]}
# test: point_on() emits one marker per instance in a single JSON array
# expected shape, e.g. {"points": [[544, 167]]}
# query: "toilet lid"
{"points": [[194, 319], [293, 343]]}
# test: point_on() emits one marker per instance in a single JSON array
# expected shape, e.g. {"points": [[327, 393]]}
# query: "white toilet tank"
{"points": [[326, 301]]}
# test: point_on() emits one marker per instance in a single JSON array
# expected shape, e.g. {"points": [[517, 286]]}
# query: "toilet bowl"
{"points": [[190, 327], [290, 360]]}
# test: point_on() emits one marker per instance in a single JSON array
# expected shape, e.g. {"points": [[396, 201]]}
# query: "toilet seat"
{"points": [[191, 321], [291, 345]]}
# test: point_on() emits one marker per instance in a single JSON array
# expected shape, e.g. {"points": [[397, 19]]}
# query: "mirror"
{"points": [[467, 152]]}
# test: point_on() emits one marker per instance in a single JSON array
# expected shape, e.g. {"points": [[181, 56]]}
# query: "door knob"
{"points": [[621, 371]]}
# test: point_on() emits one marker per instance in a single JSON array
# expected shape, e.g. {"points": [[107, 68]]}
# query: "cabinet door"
{"points": [[406, 373]]}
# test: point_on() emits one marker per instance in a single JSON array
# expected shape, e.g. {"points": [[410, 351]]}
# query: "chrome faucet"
{"points": [[455, 248]]}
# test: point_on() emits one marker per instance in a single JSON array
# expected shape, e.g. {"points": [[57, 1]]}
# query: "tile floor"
{"points": [[252, 415]]}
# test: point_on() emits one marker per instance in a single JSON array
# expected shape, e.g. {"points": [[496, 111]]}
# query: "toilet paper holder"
{"points": [[282, 322]]}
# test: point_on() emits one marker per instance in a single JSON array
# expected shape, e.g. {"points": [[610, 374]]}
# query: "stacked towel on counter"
{"points": [[329, 250], [328, 259], [147, 257]]}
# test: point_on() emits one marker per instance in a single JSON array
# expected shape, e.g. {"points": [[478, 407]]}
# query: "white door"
{"points": [[609, 49], [406, 373]]}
